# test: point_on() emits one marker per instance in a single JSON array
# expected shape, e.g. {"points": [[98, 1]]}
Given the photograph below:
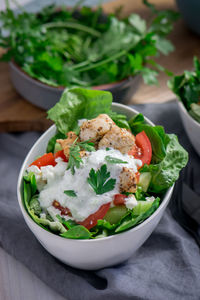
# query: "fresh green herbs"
{"points": [[187, 88], [75, 159], [70, 193], [66, 48], [114, 160], [99, 180]]}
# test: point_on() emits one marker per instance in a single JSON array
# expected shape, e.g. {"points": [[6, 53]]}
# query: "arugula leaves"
{"points": [[75, 159], [70, 193], [187, 87], [114, 160], [98, 180], [66, 48]]}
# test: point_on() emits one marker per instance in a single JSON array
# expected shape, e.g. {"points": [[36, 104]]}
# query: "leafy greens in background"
{"points": [[84, 47], [187, 88]]}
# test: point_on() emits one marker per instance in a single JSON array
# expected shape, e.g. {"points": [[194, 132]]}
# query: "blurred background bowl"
{"points": [[46, 96], [190, 11], [192, 127]]}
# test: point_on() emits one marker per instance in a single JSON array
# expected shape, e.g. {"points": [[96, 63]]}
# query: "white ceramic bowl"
{"points": [[90, 254], [191, 126]]}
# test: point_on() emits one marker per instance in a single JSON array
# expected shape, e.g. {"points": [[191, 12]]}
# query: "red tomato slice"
{"points": [[142, 150], [91, 221], [45, 160], [60, 154], [119, 199], [64, 210]]}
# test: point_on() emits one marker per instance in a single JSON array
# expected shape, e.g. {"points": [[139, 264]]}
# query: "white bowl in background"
{"points": [[97, 253], [192, 127]]}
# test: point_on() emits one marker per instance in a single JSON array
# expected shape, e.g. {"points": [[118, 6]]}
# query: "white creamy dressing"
{"points": [[130, 201], [53, 181]]}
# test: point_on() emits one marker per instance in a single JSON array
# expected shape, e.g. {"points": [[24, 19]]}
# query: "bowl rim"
{"points": [[111, 237], [105, 86], [182, 107]]}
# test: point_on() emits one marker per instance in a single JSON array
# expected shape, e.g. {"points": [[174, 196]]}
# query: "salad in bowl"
{"points": [[102, 173]]}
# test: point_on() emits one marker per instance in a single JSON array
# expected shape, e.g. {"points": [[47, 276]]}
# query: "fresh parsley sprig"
{"points": [[114, 160], [75, 159], [99, 180]]}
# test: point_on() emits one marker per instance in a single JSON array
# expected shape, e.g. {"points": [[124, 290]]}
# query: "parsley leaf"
{"points": [[75, 159], [98, 180], [114, 160], [70, 193]]}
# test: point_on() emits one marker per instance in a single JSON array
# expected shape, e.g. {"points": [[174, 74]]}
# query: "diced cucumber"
{"points": [[142, 207], [114, 214], [57, 147], [144, 181]]}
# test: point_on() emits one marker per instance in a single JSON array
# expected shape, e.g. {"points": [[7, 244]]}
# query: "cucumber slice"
{"points": [[57, 147], [144, 181], [114, 214], [142, 207]]}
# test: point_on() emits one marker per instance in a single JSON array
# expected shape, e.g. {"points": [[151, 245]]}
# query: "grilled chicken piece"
{"points": [[66, 143], [128, 180], [118, 138], [95, 129]]}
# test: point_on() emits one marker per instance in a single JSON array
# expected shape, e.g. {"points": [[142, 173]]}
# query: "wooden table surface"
{"points": [[16, 281], [16, 114]]}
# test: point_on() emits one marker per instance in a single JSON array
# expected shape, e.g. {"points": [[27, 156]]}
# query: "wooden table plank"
{"points": [[18, 283], [16, 114]]}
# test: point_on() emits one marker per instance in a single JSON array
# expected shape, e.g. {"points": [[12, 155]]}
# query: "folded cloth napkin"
{"points": [[167, 266]]}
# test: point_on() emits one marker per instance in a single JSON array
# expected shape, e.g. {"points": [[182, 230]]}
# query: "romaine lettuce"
{"points": [[167, 171]]}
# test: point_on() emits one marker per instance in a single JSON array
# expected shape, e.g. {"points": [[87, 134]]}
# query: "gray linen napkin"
{"points": [[167, 266]]}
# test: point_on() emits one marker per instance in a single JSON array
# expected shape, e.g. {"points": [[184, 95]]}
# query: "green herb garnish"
{"points": [[98, 180], [70, 193], [114, 160], [75, 159]]}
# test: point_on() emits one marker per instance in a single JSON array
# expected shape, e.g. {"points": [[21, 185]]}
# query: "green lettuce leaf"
{"points": [[133, 220], [52, 141], [28, 198], [167, 171], [77, 232], [78, 103]]}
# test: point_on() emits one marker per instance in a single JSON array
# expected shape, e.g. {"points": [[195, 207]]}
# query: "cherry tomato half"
{"points": [[142, 150], [45, 160], [119, 199], [91, 221], [61, 154]]}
